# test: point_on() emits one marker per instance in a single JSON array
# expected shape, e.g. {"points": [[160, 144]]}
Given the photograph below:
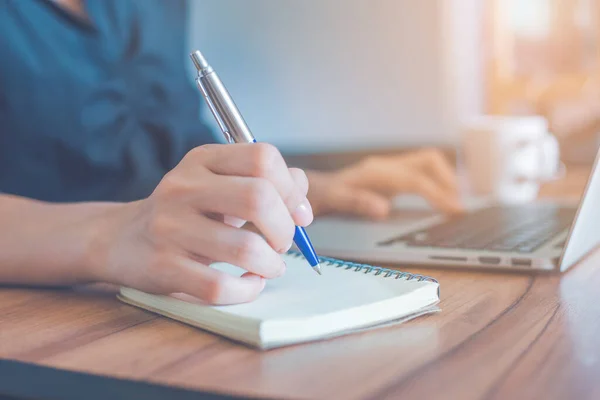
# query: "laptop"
{"points": [[544, 235]]}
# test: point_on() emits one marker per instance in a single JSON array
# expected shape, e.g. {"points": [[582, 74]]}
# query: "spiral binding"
{"points": [[367, 269]]}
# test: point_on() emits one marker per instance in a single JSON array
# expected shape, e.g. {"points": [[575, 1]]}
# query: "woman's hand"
{"points": [[164, 244], [367, 188]]}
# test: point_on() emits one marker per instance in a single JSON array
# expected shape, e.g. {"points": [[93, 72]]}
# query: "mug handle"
{"points": [[543, 159]]}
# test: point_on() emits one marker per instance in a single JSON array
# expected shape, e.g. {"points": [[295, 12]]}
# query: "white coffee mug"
{"points": [[507, 158]]}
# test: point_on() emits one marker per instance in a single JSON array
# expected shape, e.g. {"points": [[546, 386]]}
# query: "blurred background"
{"points": [[339, 75]]}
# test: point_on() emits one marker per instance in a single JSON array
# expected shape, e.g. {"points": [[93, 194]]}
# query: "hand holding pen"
{"points": [[165, 243], [235, 130]]}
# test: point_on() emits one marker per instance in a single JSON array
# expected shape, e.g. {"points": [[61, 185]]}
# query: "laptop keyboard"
{"points": [[520, 229]]}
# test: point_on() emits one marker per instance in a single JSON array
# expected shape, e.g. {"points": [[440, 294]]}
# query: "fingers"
{"points": [[217, 241], [260, 160], [213, 286], [250, 199], [349, 200], [436, 195], [300, 178], [436, 166], [303, 214], [392, 176]]}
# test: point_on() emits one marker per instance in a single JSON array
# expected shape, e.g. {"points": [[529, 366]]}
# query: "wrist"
{"points": [[46, 243], [99, 231]]}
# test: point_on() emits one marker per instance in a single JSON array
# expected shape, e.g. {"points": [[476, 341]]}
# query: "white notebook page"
{"points": [[302, 293]]}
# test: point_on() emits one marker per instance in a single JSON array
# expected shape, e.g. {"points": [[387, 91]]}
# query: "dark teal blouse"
{"points": [[96, 108]]}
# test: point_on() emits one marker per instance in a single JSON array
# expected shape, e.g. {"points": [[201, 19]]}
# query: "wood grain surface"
{"points": [[499, 336]]}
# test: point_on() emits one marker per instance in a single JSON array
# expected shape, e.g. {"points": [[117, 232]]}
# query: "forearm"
{"points": [[47, 244]]}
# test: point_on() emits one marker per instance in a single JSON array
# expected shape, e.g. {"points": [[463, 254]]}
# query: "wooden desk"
{"points": [[499, 336]]}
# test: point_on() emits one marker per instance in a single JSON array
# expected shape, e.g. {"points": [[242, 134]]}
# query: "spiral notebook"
{"points": [[302, 306]]}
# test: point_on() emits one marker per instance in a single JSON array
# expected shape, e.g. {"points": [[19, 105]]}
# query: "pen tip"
{"points": [[317, 269], [199, 60]]}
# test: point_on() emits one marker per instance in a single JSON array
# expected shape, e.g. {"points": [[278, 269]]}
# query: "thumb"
{"points": [[360, 202]]}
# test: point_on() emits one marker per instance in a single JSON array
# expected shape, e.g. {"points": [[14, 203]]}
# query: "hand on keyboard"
{"points": [[368, 187]]}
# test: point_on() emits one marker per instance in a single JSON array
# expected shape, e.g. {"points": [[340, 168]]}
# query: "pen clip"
{"points": [[214, 112]]}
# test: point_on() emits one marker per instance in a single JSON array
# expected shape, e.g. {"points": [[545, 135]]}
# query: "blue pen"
{"points": [[235, 130]]}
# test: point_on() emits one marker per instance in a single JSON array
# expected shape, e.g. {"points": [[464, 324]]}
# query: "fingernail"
{"points": [[283, 269], [285, 249], [303, 214], [263, 281]]}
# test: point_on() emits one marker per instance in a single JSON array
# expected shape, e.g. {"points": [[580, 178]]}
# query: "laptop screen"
{"points": [[584, 235]]}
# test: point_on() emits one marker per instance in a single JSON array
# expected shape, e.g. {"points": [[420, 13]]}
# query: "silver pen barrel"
{"points": [[220, 103]]}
